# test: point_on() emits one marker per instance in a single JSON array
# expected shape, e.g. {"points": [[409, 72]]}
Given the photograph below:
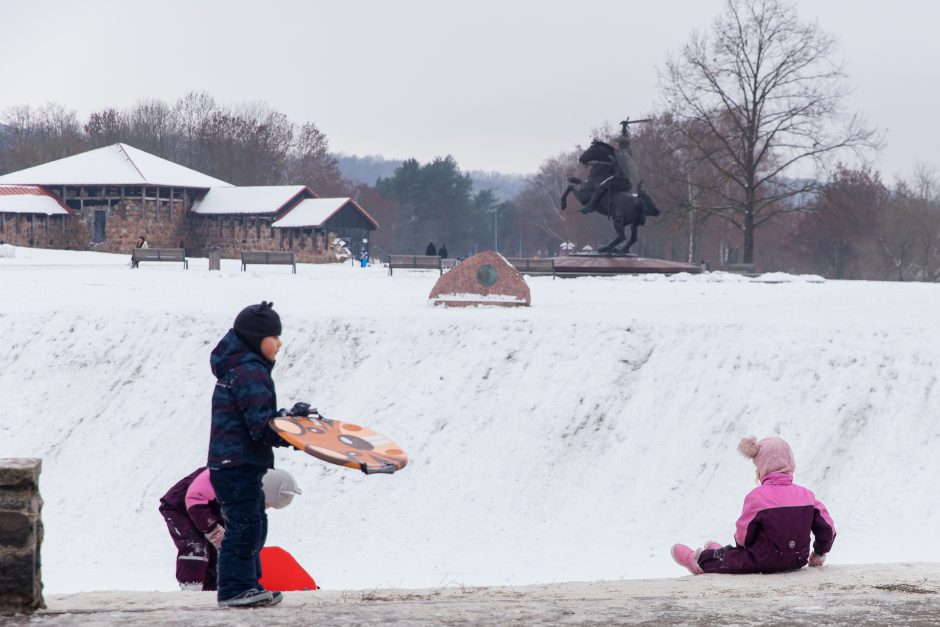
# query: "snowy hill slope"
{"points": [[573, 440]]}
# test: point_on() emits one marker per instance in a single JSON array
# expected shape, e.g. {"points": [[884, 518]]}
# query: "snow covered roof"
{"points": [[248, 200], [118, 164], [316, 211], [29, 199]]}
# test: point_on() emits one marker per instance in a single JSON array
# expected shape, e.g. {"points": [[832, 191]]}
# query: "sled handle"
{"points": [[387, 469]]}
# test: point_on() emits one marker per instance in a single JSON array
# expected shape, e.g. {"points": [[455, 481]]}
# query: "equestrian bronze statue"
{"points": [[608, 189]]}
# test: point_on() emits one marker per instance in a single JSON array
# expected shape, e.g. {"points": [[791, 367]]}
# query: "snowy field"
{"points": [[574, 440]]}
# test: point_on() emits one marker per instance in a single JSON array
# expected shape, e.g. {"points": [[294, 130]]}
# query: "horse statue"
{"points": [[607, 191]]}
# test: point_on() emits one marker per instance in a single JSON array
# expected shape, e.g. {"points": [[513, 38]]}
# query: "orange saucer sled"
{"points": [[341, 443]]}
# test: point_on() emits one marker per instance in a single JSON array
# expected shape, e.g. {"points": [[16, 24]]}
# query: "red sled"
{"points": [[282, 573]]}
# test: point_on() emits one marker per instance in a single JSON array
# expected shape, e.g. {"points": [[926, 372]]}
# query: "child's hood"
{"points": [[231, 352]]}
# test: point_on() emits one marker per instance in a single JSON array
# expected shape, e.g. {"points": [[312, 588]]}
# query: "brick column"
{"points": [[20, 536]]}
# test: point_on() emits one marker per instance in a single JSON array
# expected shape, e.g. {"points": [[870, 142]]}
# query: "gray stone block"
{"points": [[16, 529], [19, 472], [18, 575], [20, 536]]}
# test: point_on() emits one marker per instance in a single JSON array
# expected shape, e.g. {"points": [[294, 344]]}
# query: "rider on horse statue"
{"points": [[608, 190], [615, 172]]}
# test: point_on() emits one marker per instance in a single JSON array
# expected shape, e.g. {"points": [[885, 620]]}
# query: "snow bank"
{"points": [[572, 440]]}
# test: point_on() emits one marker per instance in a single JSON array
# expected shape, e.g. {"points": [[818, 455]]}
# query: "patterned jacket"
{"points": [[243, 403]]}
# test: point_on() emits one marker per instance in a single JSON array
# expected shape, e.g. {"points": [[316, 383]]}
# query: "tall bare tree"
{"points": [[36, 135], [313, 164], [540, 202], [763, 99], [926, 220]]}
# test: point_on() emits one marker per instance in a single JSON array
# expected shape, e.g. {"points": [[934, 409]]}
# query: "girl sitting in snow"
{"points": [[773, 532]]}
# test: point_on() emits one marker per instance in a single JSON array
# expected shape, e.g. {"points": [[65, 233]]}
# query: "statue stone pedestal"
{"points": [[598, 264]]}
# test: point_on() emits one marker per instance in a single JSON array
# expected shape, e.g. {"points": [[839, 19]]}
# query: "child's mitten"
{"points": [[215, 536]]}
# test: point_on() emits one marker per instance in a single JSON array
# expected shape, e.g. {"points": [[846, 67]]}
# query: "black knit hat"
{"points": [[256, 322]]}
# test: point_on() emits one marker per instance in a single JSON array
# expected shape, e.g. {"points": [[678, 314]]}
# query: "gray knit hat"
{"points": [[279, 488]]}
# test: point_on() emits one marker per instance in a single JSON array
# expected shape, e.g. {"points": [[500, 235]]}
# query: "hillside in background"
{"points": [[573, 440], [369, 168]]}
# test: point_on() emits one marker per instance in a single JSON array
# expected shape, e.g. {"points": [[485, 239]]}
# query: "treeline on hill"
{"points": [[747, 161], [849, 224]]}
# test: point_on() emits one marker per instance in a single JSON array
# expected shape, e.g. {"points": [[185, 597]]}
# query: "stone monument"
{"points": [[484, 279]]}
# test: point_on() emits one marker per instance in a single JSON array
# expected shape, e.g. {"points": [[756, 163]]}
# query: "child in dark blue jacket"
{"points": [[240, 449]]}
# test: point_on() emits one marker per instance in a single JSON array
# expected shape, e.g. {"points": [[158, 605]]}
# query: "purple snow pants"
{"points": [[736, 560], [196, 558]]}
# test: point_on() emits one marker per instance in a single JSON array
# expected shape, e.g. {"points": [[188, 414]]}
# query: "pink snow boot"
{"points": [[687, 558], [711, 545]]}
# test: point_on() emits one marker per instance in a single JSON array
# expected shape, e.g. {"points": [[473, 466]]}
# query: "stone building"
{"points": [[32, 216], [104, 199]]}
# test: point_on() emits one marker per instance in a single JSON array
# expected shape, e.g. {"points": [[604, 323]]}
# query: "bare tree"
{"points": [[898, 235], [762, 97], [540, 200], [151, 126], [192, 113], [37, 135], [926, 219], [313, 164], [841, 229], [105, 127]]}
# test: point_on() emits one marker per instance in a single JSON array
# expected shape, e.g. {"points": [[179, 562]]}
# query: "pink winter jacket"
{"points": [[201, 504], [783, 514]]}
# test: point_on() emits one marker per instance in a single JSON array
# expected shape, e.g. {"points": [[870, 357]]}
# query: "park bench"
{"points": [[283, 258], [534, 266], [159, 254], [747, 269], [414, 262]]}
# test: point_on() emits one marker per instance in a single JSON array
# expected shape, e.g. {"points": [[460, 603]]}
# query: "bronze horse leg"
{"points": [[619, 226], [633, 228]]}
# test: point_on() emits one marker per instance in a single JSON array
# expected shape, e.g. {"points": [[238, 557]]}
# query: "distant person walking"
{"points": [[431, 250], [772, 534], [443, 251]]}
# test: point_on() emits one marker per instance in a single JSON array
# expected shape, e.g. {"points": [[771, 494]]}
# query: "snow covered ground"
{"points": [[574, 440], [895, 594]]}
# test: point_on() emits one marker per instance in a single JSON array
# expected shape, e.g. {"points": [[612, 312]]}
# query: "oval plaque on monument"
{"points": [[484, 279]]}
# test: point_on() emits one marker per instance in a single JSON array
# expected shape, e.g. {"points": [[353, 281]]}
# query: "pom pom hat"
{"points": [[256, 322], [769, 455]]}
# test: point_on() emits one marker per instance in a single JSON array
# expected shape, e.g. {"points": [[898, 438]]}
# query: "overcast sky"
{"points": [[499, 84]]}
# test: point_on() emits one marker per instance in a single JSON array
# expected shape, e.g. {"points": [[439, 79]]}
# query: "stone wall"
{"points": [[166, 224], [20, 536], [162, 222], [233, 234], [40, 231]]}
